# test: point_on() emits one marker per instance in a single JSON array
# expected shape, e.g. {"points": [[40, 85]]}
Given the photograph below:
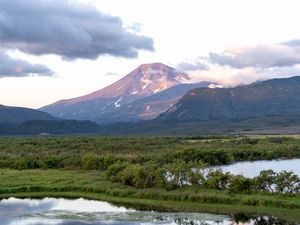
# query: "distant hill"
{"points": [[48, 127], [25, 121], [10, 114], [266, 98], [254, 125]]}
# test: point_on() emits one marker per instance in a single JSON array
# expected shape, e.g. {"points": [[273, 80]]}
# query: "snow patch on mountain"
{"points": [[157, 90], [146, 85], [118, 101], [181, 79], [212, 86]]}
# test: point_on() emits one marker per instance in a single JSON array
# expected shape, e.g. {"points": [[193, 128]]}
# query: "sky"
{"points": [[59, 49]]}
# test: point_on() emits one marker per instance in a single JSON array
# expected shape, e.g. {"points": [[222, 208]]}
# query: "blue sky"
{"points": [[57, 49]]}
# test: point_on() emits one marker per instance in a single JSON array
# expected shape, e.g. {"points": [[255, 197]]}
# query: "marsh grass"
{"points": [[93, 185]]}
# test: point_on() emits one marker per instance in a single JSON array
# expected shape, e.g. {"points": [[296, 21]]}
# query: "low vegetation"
{"points": [[99, 153], [167, 173], [178, 174]]}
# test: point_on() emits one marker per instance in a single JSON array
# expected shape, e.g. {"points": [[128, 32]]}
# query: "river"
{"points": [[252, 169], [51, 211]]}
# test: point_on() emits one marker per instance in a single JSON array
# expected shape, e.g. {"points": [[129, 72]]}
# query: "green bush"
{"points": [[239, 184], [216, 179]]}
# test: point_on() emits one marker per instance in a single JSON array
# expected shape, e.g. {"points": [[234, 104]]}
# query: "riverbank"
{"points": [[132, 171], [291, 215], [93, 185]]}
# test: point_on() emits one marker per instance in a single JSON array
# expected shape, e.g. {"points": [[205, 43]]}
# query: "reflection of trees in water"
{"points": [[242, 218], [270, 221], [239, 219], [187, 221]]}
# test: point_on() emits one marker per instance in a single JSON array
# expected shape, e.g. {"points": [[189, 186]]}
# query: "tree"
{"points": [[265, 181], [240, 184], [113, 170], [177, 173], [137, 175], [218, 179], [92, 162], [287, 182], [196, 173]]}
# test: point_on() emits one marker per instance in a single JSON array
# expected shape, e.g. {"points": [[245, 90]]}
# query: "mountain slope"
{"points": [[149, 107], [10, 114], [144, 81], [272, 97], [147, 79]]}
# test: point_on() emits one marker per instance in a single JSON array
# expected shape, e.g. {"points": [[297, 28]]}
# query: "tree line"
{"points": [[179, 174]]}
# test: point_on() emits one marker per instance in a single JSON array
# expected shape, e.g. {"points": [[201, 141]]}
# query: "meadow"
{"points": [[130, 171]]}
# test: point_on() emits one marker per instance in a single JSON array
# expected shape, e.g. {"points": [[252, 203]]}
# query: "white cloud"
{"points": [[192, 66]]}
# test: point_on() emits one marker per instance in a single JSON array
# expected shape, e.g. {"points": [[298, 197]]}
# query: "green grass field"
{"points": [[59, 163]]}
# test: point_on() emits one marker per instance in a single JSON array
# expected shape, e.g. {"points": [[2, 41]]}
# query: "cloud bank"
{"points": [[261, 56], [191, 66], [10, 67], [247, 64], [66, 28]]}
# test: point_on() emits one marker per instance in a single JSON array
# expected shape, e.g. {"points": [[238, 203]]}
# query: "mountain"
{"points": [[146, 80], [268, 98], [149, 107], [266, 107], [10, 114]]}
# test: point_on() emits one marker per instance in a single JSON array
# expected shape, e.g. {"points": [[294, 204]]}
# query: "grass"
{"points": [[69, 152], [63, 160], [93, 185]]}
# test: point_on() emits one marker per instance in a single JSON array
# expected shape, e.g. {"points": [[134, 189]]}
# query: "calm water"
{"points": [[85, 212], [52, 211], [252, 169]]}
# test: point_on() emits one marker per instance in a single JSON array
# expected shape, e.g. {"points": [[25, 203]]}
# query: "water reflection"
{"points": [[52, 211], [242, 218]]}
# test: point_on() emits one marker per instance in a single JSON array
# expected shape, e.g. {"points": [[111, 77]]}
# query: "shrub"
{"points": [[240, 184], [216, 179]]}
